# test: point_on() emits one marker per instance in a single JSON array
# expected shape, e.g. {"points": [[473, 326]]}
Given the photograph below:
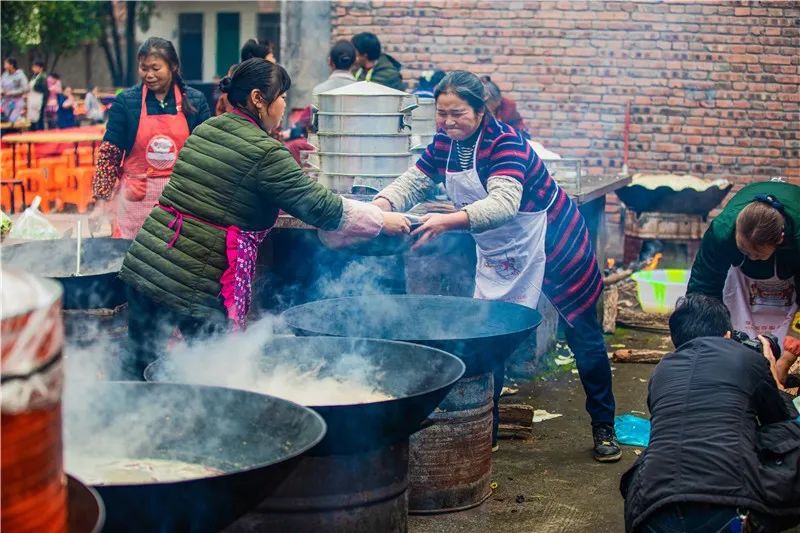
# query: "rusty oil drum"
{"points": [[33, 497], [451, 460]]}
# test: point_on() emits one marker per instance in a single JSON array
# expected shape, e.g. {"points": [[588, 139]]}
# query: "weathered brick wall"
{"points": [[714, 86]]}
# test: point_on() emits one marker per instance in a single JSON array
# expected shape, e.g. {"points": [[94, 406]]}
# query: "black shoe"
{"points": [[606, 447]]}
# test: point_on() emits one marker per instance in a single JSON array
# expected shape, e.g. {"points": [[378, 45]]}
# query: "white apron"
{"points": [[511, 258], [760, 306]]}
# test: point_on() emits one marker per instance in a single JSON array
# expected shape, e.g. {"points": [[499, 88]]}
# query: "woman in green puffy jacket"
{"points": [[192, 263]]}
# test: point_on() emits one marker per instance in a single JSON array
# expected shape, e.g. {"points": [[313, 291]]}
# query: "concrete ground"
{"points": [[551, 483]]}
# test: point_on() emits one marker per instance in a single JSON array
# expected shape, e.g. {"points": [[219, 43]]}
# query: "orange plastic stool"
{"points": [[55, 187], [84, 156], [78, 186], [35, 183]]}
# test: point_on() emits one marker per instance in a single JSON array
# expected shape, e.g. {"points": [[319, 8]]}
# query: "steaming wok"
{"points": [[251, 439], [97, 286], [480, 332], [417, 378]]}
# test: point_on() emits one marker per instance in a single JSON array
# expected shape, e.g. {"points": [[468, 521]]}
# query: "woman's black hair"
{"points": [[466, 86], [256, 73], [698, 315], [343, 55], [12, 61], [252, 48], [39, 63], [156, 46]]}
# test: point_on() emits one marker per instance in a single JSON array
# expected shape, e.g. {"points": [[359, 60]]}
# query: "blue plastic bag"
{"points": [[632, 430]]}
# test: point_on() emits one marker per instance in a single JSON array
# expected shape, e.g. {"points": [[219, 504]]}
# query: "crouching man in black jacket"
{"points": [[724, 452]]}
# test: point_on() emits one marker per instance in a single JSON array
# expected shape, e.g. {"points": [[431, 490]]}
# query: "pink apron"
{"points": [[148, 166], [241, 249]]}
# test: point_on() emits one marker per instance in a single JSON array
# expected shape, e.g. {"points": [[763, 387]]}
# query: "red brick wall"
{"points": [[714, 86]]}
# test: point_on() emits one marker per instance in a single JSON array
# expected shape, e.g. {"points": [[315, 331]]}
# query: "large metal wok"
{"points": [[95, 287], [251, 438], [480, 332], [416, 377]]}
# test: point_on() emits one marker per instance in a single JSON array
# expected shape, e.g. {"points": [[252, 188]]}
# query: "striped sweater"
{"points": [[572, 280]]}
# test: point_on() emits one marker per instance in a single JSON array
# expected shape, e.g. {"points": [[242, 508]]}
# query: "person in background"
{"points": [[51, 109], [340, 60], [374, 65], [750, 259], [427, 83], [530, 236], [504, 108], [715, 412], [65, 116], [258, 48], [147, 126], [193, 261], [14, 84], [252, 48], [37, 95], [94, 109]]}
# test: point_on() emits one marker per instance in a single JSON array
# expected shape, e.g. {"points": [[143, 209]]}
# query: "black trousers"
{"points": [[150, 326], [585, 339]]}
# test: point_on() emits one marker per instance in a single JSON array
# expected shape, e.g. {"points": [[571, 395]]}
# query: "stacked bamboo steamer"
{"points": [[363, 136]]}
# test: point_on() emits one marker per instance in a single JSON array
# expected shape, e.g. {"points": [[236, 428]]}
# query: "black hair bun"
{"points": [[225, 84]]}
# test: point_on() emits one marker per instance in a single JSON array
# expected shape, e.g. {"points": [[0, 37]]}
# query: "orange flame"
{"points": [[610, 262], [653, 262]]}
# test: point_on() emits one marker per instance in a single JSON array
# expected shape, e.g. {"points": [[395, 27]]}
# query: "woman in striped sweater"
{"points": [[530, 236]]}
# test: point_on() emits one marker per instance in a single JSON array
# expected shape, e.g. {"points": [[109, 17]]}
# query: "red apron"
{"points": [[148, 166]]}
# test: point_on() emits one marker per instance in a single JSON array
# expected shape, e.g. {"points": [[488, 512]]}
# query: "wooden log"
{"points": [[617, 277], [638, 356], [516, 421], [610, 308]]}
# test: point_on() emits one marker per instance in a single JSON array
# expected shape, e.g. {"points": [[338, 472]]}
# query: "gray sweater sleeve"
{"points": [[410, 188], [502, 204]]}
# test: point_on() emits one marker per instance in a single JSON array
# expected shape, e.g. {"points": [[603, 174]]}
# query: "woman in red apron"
{"points": [[147, 127]]}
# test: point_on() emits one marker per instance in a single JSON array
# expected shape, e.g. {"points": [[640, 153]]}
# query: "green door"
{"points": [[227, 41]]}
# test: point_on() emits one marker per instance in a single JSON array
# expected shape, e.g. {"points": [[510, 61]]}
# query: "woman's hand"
{"points": [[383, 204], [434, 225], [395, 224]]}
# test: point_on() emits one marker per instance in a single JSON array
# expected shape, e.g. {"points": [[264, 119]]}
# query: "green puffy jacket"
{"points": [[229, 173], [386, 72], [718, 251]]}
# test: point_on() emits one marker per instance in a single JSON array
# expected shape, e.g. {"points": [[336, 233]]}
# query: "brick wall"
{"points": [[714, 86]]}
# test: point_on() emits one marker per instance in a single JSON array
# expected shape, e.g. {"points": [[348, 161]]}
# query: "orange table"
{"points": [[93, 135]]}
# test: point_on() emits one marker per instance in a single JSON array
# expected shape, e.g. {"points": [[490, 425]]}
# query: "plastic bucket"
{"points": [[658, 290]]}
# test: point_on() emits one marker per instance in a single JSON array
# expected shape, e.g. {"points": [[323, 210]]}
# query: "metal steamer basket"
{"points": [[363, 136]]}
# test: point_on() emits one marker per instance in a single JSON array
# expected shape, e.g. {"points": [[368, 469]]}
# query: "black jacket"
{"points": [[123, 117], [707, 401]]}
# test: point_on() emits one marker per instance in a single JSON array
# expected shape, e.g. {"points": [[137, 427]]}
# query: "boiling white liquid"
{"points": [[308, 388], [102, 471]]}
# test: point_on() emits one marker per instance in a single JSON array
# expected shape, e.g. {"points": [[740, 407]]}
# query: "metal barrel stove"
{"points": [[356, 479], [450, 460]]}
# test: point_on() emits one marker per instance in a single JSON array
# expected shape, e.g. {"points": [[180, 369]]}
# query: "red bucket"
{"points": [[34, 487]]}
